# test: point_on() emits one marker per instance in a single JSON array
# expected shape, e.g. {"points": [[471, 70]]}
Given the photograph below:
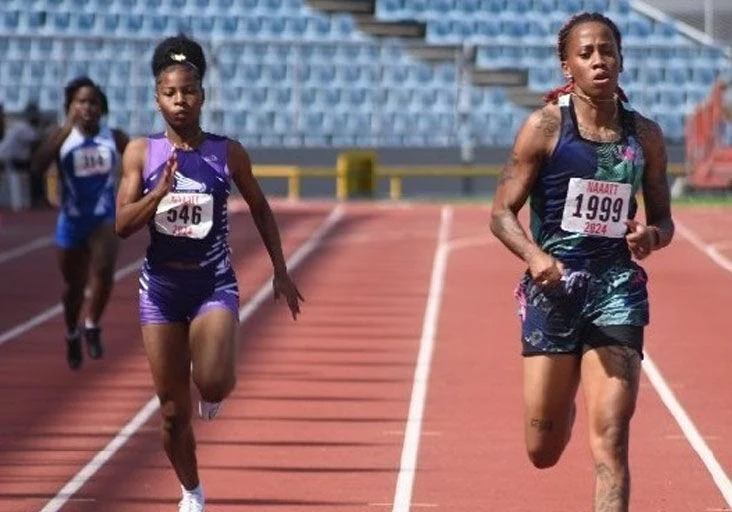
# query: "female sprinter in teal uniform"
{"points": [[177, 183], [583, 301], [88, 155]]}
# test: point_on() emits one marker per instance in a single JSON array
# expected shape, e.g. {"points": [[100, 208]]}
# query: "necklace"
{"points": [[190, 145], [597, 134], [593, 101]]}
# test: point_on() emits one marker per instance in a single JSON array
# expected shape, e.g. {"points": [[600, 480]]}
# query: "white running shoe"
{"points": [[208, 410], [192, 501]]}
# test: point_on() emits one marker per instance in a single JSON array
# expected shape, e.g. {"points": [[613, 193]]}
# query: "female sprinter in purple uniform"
{"points": [[87, 154], [583, 301], [177, 183]]}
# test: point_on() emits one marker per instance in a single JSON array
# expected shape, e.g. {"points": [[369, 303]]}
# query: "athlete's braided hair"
{"points": [[562, 39], [178, 51], [84, 81]]}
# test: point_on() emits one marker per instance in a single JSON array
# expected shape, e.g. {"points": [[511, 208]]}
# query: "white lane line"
{"points": [[150, 408], [21, 250], [408, 462], [688, 428], [708, 249], [695, 439], [51, 312]]}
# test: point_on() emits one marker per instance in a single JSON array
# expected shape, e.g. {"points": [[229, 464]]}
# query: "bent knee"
{"points": [[216, 388], [543, 458]]}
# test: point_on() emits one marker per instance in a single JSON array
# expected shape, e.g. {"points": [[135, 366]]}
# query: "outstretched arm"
{"points": [[134, 210], [240, 168], [534, 141]]}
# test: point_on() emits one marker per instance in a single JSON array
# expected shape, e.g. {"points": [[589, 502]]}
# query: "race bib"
{"points": [[597, 208], [185, 214], [91, 160]]}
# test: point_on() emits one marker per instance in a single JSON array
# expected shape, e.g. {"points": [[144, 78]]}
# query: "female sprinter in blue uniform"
{"points": [[177, 183], [87, 154], [583, 301]]}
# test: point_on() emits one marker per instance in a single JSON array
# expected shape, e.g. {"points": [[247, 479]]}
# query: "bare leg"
{"points": [[550, 386], [213, 352], [167, 351], [104, 247], [74, 265], [610, 381]]}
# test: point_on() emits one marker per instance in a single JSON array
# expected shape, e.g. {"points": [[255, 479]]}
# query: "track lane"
{"points": [[472, 455], [47, 435]]}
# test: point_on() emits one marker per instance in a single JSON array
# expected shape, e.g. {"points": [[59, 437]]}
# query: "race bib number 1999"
{"points": [[598, 208], [185, 214]]}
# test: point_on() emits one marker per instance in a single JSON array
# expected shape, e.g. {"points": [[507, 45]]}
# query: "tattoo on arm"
{"points": [[548, 124], [655, 185], [541, 424], [509, 170]]}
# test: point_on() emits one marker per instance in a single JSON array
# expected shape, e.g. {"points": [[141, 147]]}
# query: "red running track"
{"points": [[318, 419]]}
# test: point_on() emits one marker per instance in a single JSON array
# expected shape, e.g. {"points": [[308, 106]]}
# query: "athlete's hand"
{"points": [[640, 239], [73, 116], [283, 286], [165, 183], [545, 270]]}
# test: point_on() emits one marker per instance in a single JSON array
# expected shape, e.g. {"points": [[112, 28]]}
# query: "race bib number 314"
{"points": [[185, 214], [597, 208], [92, 160]]}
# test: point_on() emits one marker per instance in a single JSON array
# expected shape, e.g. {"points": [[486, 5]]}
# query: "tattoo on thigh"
{"points": [[626, 365], [612, 492], [541, 424]]}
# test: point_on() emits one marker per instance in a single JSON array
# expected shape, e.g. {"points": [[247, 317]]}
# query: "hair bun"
{"points": [[178, 50]]}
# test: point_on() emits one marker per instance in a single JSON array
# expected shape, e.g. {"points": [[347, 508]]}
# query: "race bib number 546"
{"points": [[598, 208], [185, 214]]}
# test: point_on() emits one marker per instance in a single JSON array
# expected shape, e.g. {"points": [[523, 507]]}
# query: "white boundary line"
{"points": [[708, 249], [41, 241], [49, 313], [146, 412], [408, 462], [720, 477], [688, 428]]}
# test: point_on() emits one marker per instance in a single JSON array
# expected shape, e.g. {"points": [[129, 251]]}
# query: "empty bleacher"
{"points": [[283, 73]]}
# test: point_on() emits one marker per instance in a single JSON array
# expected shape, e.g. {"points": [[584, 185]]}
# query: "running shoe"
{"points": [[93, 337], [208, 410], [74, 354]]}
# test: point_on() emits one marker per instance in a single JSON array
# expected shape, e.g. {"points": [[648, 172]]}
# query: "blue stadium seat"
{"points": [[355, 99], [50, 99], [202, 26], [225, 27], [273, 27], [394, 76], [284, 56], [248, 74], [252, 97], [389, 9], [235, 122], [414, 8], [343, 28], [703, 75]]}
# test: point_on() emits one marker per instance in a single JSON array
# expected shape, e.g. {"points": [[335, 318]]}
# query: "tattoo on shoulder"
{"points": [[647, 130], [509, 170], [548, 123]]}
